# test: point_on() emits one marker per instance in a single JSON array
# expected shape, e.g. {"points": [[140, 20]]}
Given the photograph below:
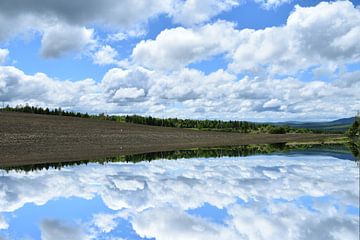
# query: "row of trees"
{"points": [[46, 111], [190, 123], [59, 112], [354, 135], [214, 125], [244, 150], [354, 130], [229, 126]]}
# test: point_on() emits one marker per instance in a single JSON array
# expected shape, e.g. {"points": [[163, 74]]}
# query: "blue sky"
{"points": [[262, 60], [214, 198]]}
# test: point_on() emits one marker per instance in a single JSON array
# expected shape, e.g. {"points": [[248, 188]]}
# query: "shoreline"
{"points": [[211, 152], [36, 139]]}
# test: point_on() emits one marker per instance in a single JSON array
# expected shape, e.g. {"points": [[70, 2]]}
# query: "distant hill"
{"points": [[339, 125]]}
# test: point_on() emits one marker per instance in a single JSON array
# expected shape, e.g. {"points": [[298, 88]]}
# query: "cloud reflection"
{"points": [[57, 230], [265, 197]]}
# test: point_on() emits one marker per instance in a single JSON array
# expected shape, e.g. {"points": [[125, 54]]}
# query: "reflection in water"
{"points": [[354, 147], [254, 197], [335, 150]]}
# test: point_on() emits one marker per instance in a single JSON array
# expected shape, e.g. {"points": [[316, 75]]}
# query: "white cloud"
{"points": [[132, 33], [128, 93], [128, 17], [117, 15], [272, 103], [3, 223], [295, 46], [349, 79], [116, 37], [39, 89], [282, 227], [105, 55], [64, 25], [105, 222], [155, 196], [178, 47], [198, 11], [308, 39], [57, 230], [58, 40], [286, 49], [116, 78], [112, 13], [186, 93], [3, 55], [182, 85], [270, 4], [125, 86], [173, 223]]}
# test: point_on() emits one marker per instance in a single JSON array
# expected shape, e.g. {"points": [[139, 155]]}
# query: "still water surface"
{"points": [[278, 196]]}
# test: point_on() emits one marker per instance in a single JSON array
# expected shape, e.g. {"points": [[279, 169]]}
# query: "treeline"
{"points": [[217, 152], [215, 125], [59, 112], [244, 150], [354, 135], [234, 151], [210, 125], [354, 130]]}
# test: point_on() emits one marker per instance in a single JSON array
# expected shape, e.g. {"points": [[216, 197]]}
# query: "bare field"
{"points": [[31, 138]]}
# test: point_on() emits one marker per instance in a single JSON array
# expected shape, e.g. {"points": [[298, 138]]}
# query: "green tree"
{"points": [[354, 131]]}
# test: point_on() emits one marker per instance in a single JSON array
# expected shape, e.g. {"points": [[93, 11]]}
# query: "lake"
{"points": [[295, 194]]}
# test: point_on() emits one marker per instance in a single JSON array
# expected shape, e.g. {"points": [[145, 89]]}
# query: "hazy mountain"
{"points": [[339, 125]]}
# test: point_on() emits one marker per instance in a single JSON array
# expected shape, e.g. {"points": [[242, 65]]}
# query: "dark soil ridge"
{"points": [[33, 139]]}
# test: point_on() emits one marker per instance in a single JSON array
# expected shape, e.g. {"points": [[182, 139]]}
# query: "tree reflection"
{"points": [[231, 151]]}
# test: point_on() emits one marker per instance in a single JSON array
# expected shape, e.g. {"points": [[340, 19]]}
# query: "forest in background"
{"points": [[210, 125]]}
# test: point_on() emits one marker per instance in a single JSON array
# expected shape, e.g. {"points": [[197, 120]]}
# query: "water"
{"points": [[279, 196]]}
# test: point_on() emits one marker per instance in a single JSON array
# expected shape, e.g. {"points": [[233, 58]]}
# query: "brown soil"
{"points": [[31, 139]]}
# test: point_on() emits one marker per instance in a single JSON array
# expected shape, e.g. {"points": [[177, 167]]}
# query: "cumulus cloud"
{"points": [[64, 25], [57, 230], [307, 39], [269, 4], [124, 86], [129, 93], [17, 16], [272, 103], [181, 85], [156, 80], [286, 49], [105, 55], [177, 47], [39, 89], [105, 222], [3, 55], [132, 33], [124, 16], [3, 223], [195, 94], [258, 194], [116, 78], [167, 223], [113, 13], [197, 11], [349, 79], [58, 40]]}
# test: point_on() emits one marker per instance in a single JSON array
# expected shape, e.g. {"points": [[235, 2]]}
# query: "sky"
{"points": [[255, 197], [258, 60]]}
